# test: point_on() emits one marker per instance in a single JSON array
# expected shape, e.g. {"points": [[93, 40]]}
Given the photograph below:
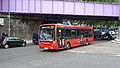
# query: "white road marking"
{"points": [[116, 54], [77, 51]]}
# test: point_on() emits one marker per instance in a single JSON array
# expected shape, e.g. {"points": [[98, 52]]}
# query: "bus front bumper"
{"points": [[48, 46]]}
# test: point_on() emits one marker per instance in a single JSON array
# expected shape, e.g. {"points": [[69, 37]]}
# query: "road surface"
{"points": [[78, 57]]}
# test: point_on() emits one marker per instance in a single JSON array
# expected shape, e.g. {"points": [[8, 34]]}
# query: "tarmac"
{"points": [[116, 41], [112, 46]]}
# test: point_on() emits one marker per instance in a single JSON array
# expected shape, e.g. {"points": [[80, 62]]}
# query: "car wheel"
{"points": [[24, 44], [68, 46], [6, 46], [109, 38]]}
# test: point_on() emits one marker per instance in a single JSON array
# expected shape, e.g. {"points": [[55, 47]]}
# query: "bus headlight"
{"points": [[51, 47]]}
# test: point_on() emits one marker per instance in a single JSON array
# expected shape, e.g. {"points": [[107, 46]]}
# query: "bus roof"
{"points": [[69, 26]]}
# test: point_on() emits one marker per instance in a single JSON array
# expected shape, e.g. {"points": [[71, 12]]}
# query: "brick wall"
{"points": [[23, 29]]}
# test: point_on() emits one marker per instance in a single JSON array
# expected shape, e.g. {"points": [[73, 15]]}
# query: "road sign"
{"points": [[1, 21]]}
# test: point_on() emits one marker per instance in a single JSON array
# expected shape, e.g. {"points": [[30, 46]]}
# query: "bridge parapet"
{"points": [[59, 7]]}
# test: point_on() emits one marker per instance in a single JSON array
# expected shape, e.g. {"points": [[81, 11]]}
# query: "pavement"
{"points": [[101, 47], [116, 41], [29, 41]]}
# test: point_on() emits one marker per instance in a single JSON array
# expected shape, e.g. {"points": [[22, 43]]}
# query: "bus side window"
{"points": [[73, 32], [81, 32], [63, 33], [68, 33], [78, 33], [86, 33], [91, 32]]}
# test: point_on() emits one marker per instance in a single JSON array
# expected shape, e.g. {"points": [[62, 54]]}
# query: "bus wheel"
{"points": [[68, 46], [87, 43], [109, 38]]}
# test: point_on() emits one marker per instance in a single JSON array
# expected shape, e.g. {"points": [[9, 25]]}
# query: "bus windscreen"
{"points": [[47, 33]]}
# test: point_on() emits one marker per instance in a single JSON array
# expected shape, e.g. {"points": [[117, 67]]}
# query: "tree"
{"points": [[108, 1], [96, 23]]}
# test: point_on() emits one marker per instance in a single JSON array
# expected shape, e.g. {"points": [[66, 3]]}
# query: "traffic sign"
{"points": [[1, 21]]}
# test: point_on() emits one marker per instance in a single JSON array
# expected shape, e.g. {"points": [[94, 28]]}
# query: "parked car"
{"points": [[109, 36], [97, 33], [35, 38], [12, 41], [104, 34]]}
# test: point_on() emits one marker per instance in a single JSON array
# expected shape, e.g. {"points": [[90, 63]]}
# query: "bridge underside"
{"points": [[27, 15], [57, 16], [59, 9], [79, 17]]}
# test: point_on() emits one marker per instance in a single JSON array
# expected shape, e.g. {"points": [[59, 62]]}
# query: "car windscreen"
{"points": [[8, 38], [12, 38], [47, 33]]}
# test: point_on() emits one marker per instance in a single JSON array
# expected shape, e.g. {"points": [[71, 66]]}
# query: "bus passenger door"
{"points": [[61, 38], [81, 36], [82, 40]]}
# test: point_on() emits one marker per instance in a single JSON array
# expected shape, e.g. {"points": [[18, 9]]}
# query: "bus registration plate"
{"points": [[45, 48]]}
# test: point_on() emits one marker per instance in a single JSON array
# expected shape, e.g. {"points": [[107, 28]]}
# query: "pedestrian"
{"points": [[4, 35]]}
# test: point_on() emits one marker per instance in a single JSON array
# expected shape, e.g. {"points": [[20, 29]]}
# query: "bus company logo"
{"points": [[61, 26]]}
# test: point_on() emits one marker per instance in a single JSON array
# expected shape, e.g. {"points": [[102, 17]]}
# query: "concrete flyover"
{"points": [[61, 9]]}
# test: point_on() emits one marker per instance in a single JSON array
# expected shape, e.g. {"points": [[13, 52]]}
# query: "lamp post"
{"points": [[119, 21], [9, 24], [9, 18]]}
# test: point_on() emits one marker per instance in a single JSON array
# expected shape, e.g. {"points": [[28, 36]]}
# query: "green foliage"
{"points": [[96, 23], [108, 1]]}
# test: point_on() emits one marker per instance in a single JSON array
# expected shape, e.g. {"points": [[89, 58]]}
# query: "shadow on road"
{"points": [[63, 49]]}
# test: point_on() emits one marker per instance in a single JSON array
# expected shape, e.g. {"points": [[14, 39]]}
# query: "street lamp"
{"points": [[9, 18], [119, 21], [8, 24]]}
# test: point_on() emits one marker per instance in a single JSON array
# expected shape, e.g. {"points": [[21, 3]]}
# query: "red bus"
{"points": [[57, 36]]}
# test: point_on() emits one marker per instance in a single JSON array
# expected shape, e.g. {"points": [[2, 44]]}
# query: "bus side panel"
{"points": [[74, 42], [90, 39]]}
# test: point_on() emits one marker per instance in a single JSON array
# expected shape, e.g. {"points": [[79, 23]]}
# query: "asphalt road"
{"points": [[33, 57]]}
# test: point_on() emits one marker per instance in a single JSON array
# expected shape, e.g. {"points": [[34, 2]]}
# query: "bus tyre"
{"points": [[68, 46], [6, 46], [87, 43]]}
